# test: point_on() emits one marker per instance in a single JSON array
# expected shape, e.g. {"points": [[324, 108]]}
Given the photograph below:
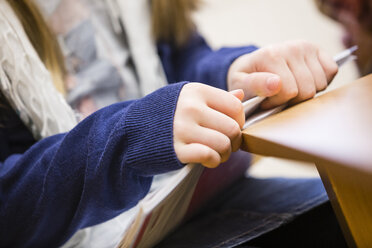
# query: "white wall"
{"points": [[262, 22]]}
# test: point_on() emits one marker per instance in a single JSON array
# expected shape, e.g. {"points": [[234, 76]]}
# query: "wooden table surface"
{"points": [[334, 131]]}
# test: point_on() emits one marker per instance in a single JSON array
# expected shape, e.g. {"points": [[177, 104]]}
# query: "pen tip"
{"points": [[353, 48]]}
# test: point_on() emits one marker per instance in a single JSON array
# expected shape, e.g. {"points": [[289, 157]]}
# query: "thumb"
{"points": [[259, 83]]}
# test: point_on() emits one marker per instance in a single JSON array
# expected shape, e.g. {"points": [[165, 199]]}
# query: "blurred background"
{"points": [[263, 22]]}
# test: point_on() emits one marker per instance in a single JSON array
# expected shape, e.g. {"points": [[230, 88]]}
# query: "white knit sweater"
{"points": [[27, 84]]}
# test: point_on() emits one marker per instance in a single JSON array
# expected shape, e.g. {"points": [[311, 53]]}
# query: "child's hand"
{"points": [[293, 71], [207, 124]]}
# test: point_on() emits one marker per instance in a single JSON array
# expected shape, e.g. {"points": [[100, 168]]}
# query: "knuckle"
{"points": [[179, 127], [208, 156], [291, 93], [303, 43], [295, 47], [233, 130], [321, 85], [189, 88], [236, 143], [215, 163], [190, 108], [272, 53], [225, 146], [308, 93], [308, 46], [235, 79], [195, 85], [330, 68], [225, 157], [195, 88], [236, 107], [333, 68]]}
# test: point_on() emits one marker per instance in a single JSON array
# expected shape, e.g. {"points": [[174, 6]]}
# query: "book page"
{"points": [[182, 196]]}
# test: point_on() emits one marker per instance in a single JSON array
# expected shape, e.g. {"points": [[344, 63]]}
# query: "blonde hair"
{"points": [[171, 20], [42, 39]]}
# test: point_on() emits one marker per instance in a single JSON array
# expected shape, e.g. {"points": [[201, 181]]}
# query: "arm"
{"points": [[105, 165], [196, 61], [91, 174]]}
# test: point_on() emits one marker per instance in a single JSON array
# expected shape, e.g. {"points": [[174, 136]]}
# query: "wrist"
{"points": [[150, 131]]}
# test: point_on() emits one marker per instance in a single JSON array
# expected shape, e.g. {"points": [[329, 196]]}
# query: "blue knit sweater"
{"points": [[51, 188]]}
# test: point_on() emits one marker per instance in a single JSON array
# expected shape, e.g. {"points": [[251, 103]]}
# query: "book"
{"points": [[252, 105], [333, 128], [334, 132], [181, 195], [176, 197]]}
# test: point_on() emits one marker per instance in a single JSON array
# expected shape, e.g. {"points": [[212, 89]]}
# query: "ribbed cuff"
{"points": [[149, 125]]}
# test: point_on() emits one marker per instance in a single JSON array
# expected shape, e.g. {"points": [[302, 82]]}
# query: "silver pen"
{"points": [[345, 56], [341, 58]]}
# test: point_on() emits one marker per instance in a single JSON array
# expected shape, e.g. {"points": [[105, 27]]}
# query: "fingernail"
{"points": [[273, 83]]}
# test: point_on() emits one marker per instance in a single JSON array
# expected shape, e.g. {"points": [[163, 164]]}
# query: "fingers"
{"points": [[258, 83], [198, 153], [317, 72], [210, 138], [210, 120], [302, 67], [239, 93], [288, 90], [225, 103], [329, 66], [304, 80], [218, 141], [213, 119]]}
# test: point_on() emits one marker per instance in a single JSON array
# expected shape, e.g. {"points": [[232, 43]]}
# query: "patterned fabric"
{"points": [[28, 86], [105, 64]]}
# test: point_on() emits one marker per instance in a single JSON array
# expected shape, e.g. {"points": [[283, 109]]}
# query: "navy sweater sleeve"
{"points": [[96, 171], [197, 62]]}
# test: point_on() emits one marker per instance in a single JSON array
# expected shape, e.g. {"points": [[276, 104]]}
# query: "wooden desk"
{"points": [[335, 132]]}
